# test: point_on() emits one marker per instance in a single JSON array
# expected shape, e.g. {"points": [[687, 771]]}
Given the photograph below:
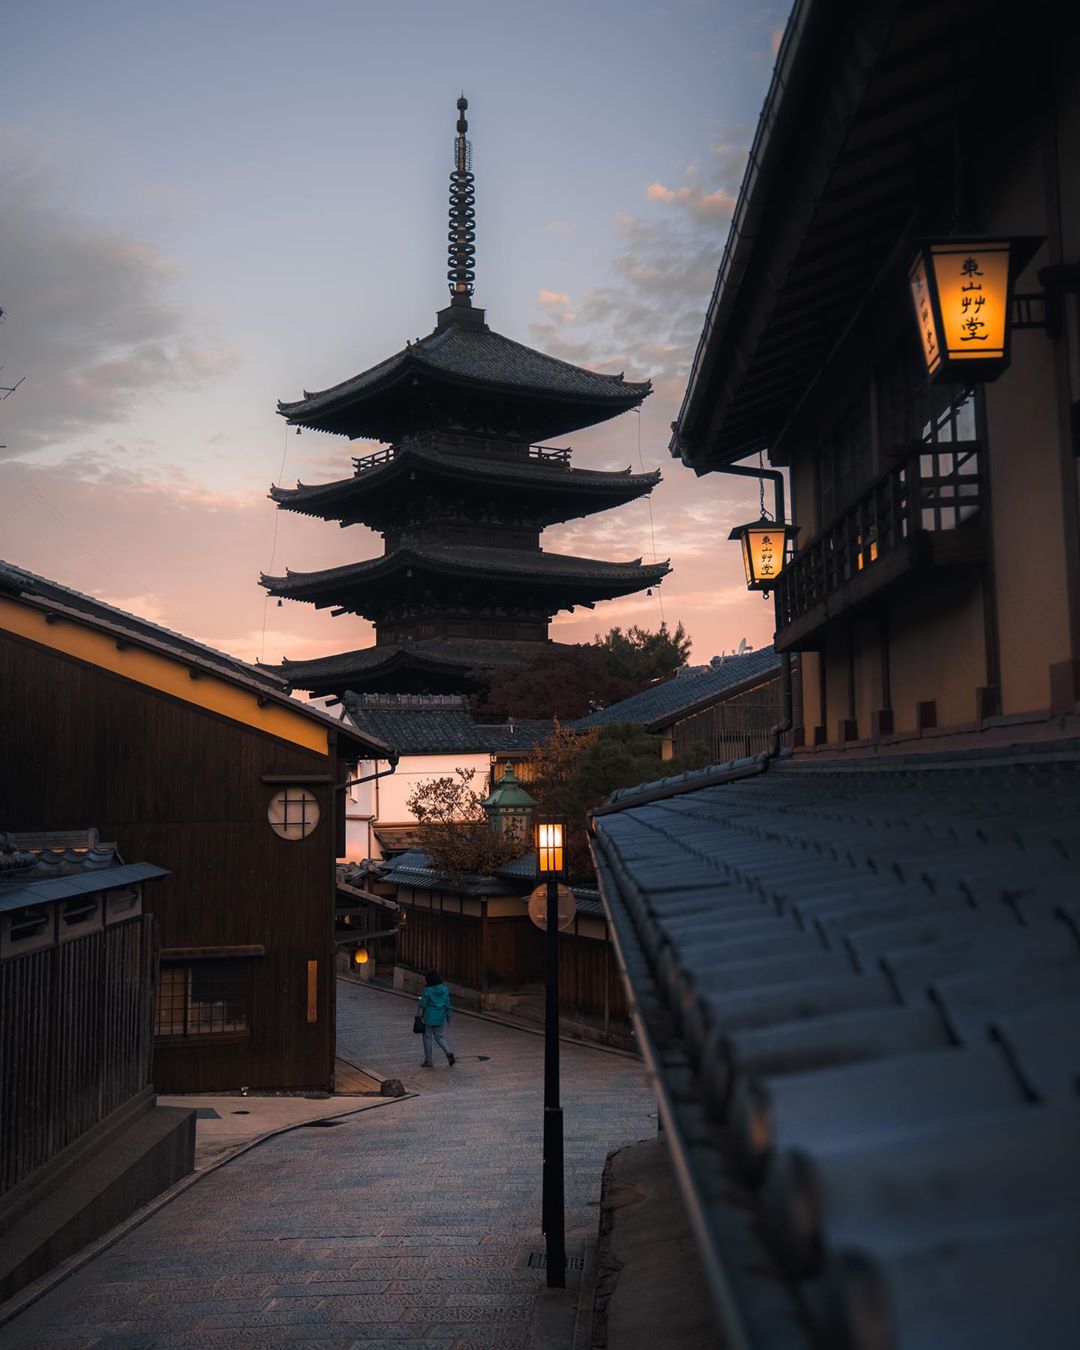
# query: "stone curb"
{"points": [[46, 1283]]}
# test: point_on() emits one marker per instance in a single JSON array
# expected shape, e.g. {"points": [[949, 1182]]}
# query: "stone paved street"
{"points": [[405, 1226]]}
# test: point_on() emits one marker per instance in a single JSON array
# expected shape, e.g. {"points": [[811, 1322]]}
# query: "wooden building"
{"points": [[83, 1142], [729, 708], [477, 933], [854, 967], [186, 756], [461, 493]]}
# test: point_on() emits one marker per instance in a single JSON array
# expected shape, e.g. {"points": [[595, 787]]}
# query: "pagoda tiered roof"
{"points": [[427, 665], [557, 579], [463, 373], [556, 492]]}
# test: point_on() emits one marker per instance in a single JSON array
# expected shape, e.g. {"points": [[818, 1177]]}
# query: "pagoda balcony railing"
{"points": [[923, 511], [472, 445]]}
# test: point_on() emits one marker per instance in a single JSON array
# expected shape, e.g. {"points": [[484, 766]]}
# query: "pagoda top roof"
{"points": [[421, 386], [367, 666], [494, 564], [549, 473]]}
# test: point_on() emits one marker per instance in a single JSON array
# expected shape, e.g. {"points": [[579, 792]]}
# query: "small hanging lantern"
{"points": [[962, 290], [360, 956], [764, 549], [550, 839], [509, 809]]}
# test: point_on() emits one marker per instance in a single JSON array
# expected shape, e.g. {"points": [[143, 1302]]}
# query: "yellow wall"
{"points": [[167, 674]]}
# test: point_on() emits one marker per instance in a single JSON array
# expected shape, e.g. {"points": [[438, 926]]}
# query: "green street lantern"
{"points": [[509, 808]]}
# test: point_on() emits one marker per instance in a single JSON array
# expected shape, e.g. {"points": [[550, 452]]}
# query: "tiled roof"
{"points": [[546, 475], [861, 986], [22, 582], [462, 655], [495, 563], [129, 630], [430, 723], [473, 353], [53, 869], [664, 702], [414, 869]]}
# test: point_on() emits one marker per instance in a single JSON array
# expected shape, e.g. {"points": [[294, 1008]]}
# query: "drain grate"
{"points": [[538, 1261]]}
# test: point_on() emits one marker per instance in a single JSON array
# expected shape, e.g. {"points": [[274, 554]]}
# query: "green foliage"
{"points": [[575, 773], [453, 827], [562, 682], [642, 656]]}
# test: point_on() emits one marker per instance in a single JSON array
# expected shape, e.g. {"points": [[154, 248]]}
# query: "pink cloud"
{"points": [[693, 199]]}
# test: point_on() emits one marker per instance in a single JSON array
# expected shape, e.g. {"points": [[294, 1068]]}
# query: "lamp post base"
{"points": [[554, 1208]]}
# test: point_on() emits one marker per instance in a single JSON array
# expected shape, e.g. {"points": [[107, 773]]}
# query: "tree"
{"points": [[558, 682], [576, 772], [642, 656], [453, 827]]}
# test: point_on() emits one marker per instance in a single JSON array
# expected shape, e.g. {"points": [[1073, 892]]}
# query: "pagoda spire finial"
{"points": [[462, 255]]}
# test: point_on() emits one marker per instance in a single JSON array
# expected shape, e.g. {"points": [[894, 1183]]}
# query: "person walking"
{"points": [[436, 1011]]}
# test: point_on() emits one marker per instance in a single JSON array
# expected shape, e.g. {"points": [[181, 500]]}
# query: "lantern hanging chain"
{"points": [[765, 514]]}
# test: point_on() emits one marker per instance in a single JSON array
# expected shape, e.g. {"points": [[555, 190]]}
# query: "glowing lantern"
{"points": [[550, 837], [764, 549], [962, 290], [360, 956]]}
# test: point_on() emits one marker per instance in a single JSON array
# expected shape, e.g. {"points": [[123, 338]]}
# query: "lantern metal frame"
{"points": [[741, 533], [976, 366], [550, 854], [509, 801]]}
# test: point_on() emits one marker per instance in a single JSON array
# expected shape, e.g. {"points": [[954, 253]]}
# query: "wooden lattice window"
{"points": [[293, 812], [203, 999]]}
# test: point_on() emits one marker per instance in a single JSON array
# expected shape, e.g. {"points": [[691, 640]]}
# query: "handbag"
{"points": [[418, 1024]]}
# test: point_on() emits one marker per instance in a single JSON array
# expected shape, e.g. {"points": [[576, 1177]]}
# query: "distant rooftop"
{"points": [[664, 702], [436, 723]]}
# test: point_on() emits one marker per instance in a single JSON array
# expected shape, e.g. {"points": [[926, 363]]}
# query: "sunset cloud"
{"points": [[90, 317], [693, 199]]}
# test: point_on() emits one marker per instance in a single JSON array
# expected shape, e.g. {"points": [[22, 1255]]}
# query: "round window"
{"points": [[293, 812]]}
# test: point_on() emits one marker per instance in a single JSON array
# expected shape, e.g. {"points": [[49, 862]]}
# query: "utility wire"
{"points": [[648, 503], [273, 547]]}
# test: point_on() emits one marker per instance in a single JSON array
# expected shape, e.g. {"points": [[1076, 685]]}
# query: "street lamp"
{"points": [[764, 549], [962, 289], [550, 839]]}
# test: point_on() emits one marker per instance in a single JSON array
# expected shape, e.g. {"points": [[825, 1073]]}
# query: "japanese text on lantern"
{"points": [[973, 293], [766, 567], [920, 293]]}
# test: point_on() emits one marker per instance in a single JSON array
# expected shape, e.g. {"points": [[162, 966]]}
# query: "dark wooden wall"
{"points": [[508, 953], [178, 786]]}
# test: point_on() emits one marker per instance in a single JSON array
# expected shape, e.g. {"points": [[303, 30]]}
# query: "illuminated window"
{"points": [[203, 999], [293, 813]]}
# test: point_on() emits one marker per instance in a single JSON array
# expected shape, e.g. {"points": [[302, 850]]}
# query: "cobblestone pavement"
{"points": [[408, 1226]]}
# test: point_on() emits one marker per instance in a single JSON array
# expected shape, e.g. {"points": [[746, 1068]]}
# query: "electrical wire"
{"points": [[648, 503], [273, 546]]}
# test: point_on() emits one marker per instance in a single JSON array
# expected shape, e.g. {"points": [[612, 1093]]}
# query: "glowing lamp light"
{"points": [[764, 549], [360, 956], [962, 290], [550, 845]]}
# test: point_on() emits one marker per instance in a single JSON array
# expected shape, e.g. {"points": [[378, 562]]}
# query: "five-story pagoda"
{"points": [[460, 494]]}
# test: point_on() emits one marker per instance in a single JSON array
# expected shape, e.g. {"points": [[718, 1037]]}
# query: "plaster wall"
{"points": [[1024, 435], [383, 802]]}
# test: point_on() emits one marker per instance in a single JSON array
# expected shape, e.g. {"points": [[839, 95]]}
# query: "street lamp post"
{"points": [[551, 861]]}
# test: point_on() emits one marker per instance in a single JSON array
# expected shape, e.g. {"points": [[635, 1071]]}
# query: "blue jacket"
{"points": [[435, 1005]]}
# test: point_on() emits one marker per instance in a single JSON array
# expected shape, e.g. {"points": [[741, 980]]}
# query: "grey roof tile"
{"points": [[672, 698], [944, 887], [433, 723]]}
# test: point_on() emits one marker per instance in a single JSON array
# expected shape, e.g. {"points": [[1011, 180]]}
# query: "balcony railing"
{"points": [[467, 445], [921, 510]]}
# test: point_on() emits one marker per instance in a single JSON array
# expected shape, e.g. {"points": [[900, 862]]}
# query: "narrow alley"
{"points": [[410, 1225]]}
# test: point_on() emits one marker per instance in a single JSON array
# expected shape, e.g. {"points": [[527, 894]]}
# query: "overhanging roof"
{"points": [[461, 358], [861, 100]]}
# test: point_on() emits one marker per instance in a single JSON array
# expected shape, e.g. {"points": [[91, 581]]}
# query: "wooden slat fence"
{"points": [[76, 1040]]}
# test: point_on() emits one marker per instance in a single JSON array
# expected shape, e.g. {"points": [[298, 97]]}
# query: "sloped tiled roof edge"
{"points": [[662, 703], [779, 935]]}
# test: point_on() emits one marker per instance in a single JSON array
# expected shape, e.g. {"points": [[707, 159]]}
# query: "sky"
{"points": [[206, 208]]}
